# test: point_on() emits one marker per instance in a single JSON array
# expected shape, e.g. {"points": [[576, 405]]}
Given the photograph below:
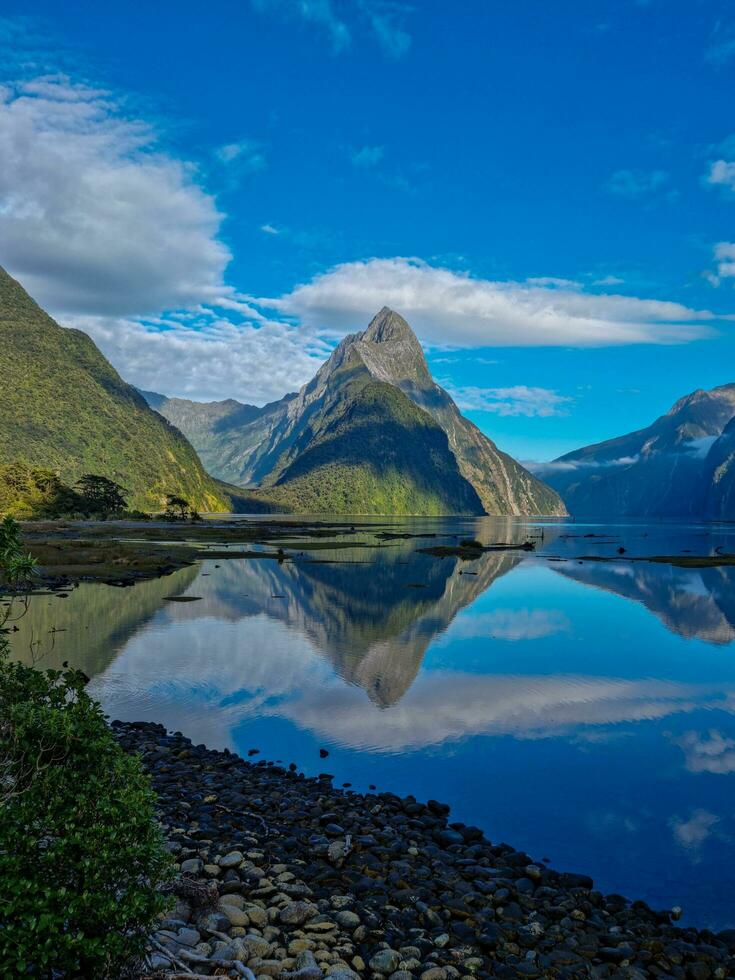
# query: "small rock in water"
{"points": [[323, 753]]}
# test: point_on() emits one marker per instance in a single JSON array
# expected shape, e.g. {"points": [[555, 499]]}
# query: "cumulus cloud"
{"points": [[516, 400], [691, 834], [713, 753], [722, 174], [207, 357], [94, 216], [339, 20], [116, 237], [449, 308], [724, 255]]}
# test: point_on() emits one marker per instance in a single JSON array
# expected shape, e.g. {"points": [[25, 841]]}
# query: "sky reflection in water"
{"points": [[584, 712]]}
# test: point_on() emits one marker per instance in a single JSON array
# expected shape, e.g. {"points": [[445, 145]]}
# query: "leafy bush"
{"points": [[29, 491], [81, 856], [16, 566]]}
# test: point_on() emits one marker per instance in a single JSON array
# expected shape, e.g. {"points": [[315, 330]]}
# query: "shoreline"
{"points": [[284, 875], [124, 552]]}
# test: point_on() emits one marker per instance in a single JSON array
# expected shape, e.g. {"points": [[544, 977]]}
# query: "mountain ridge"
{"points": [[261, 455], [682, 464], [63, 407]]}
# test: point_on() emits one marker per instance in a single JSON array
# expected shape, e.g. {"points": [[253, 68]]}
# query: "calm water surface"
{"points": [[582, 711]]}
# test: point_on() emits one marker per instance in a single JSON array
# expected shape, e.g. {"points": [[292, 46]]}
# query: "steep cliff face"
{"points": [[719, 475], [63, 407], [386, 431], [665, 470]]}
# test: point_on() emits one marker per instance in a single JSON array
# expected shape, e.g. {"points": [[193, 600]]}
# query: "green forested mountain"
{"points": [[370, 433], [63, 407], [683, 464], [213, 428]]}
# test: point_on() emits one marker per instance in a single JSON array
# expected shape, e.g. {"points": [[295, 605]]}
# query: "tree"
{"points": [[100, 496], [175, 503]]}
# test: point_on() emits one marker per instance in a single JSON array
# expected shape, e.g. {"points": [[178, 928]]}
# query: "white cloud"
{"points": [[608, 281], [699, 447], [116, 237], [724, 255], [516, 400], [510, 624], [722, 173], [570, 465], [713, 753], [207, 357], [94, 217], [367, 156], [693, 833], [270, 229], [448, 308]]}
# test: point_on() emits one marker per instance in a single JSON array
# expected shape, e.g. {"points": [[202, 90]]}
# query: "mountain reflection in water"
{"points": [[532, 695]]}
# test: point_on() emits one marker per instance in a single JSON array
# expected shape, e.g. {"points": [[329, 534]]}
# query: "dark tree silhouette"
{"points": [[98, 495], [175, 503]]}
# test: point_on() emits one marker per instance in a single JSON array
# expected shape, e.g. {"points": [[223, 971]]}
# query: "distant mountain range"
{"points": [[370, 433], [683, 465], [63, 407]]}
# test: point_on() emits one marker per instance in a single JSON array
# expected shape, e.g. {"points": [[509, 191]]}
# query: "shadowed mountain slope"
{"points": [[63, 407], [681, 465]]}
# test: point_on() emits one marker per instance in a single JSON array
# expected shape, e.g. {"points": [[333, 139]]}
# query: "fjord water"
{"points": [[583, 711]]}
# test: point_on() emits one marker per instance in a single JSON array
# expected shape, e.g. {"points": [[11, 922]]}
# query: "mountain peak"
{"points": [[388, 325], [391, 350]]}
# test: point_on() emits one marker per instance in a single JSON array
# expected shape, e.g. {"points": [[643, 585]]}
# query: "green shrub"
{"points": [[81, 856], [17, 567]]}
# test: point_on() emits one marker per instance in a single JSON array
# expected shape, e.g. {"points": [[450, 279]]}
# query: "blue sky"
{"points": [[545, 191]]}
